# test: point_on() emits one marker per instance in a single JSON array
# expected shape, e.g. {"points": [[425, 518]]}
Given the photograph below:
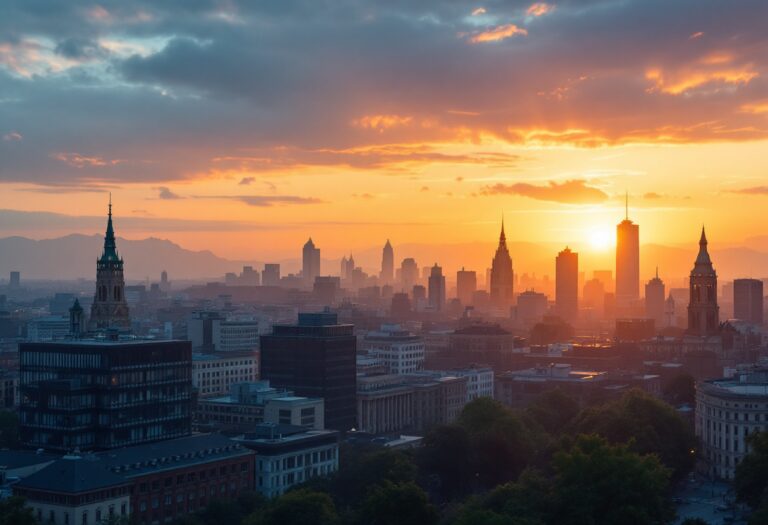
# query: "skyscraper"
{"points": [[627, 263], [315, 358], [466, 284], [502, 278], [387, 264], [109, 308], [567, 284], [436, 288], [271, 275], [748, 300], [703, 312], [310, 267], [409, 273], [655, 293]]}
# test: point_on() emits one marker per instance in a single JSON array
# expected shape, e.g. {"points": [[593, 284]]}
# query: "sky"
{"points": [[246, 127]]}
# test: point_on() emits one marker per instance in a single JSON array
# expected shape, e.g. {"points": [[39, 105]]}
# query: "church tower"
{"points": [[109, 308], [502, 284], [703, 312]]}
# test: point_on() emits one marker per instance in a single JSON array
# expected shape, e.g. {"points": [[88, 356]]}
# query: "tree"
{"points": [[553, 411], [693, 521], [649, 425], [299, 507], [680, 390], [445, 456], [751, 480], [13, 511], [397, 504], [603, 484]]}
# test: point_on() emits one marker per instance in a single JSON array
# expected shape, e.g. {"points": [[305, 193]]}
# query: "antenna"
{"points": [[110, 203], [626, 205]]}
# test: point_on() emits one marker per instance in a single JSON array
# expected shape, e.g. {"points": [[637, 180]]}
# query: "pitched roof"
{"points": [[72, 475]]}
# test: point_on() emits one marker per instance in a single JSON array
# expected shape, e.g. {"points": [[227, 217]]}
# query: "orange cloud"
{"points": [[569, 192], [756, 108], [81, 161], [497, 34], [690, 78], [382, 122], [540, 9]]}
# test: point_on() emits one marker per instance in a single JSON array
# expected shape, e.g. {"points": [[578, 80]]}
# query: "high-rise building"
{"points": [[315, 358], [748, 300], [531, 307], [605, 277], [96, 394], [703, 312], [627, 263], [387, 264], [436, 287], [502, 278], [655, 292], [466, 285], [271, 275], [593, 296], [15, 280], [164, 284], [409, 274], [249, 277], [567, 284], [109, 308], [310, 262]]}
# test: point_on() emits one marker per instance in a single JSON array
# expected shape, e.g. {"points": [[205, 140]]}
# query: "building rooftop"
{"points": [[13, 459], [72, 475]]}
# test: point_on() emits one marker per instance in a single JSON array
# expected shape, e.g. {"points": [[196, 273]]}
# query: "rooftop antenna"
{"points": [[626, 205]]}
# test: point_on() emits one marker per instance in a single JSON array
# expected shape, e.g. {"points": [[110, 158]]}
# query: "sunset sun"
{"points": [[600, 239]]}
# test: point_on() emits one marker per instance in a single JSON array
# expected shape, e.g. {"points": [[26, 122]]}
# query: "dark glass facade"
{"points": [[315, 358], [101, 395]]}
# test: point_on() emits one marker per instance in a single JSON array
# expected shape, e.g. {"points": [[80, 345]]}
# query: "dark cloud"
{"points": [[165, 193], [245, 181], [570, 192]]}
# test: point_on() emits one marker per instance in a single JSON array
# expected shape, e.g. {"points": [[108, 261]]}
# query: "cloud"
{"points": [[12, 136], [382, 122], [245, 181], [754, 190], [479, 11], [83, 161], [165, 193], [539, 9], [497, 34], [570, 192], [697, 34], [652, 195], [266, 201]]}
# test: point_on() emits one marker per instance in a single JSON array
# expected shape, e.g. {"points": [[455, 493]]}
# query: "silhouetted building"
{"points": [[466, 285], [310, 262], [502, 278], [14, 280], [409, 273], [531, 307], [77, 325], [271, 275], [315, 358], [654, 299], [748, 300], [387, 264], [567, 284], [109, 308], [436, 288], [627, 263], [703, 312], [326, 288], [96, 394], [249, 277], [593, 296], [401, 306]]}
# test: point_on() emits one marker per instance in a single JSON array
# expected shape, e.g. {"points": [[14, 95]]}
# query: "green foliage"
{"points": [[300, 507], [553, 411], [446, 456], [649, 425], [9, 430], [751, 480], [13, 512], [693, 521], [602, 484], [681, 389], [218, 512], [397, 504]]}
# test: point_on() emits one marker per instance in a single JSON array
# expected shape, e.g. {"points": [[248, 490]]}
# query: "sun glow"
{"points": [[600, 239]]}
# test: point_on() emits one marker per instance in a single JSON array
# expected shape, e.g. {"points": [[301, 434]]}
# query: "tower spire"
{"points": [[502, 236], [626, 205]]}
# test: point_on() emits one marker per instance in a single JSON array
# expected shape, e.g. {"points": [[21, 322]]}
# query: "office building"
{"points": [[211, 331], [93, 394], [655, 303], [213, 374], [315, 358], [502, 277], [310, 267], [748, 300], [531, 307], [271, 275], [703, 312], [567, 285], [728, 411], [109, 308], [466, 286], [436, 284], [398, 350], [409, 274], [627, 264], [14, 281], [48, 328], [387, 274]]}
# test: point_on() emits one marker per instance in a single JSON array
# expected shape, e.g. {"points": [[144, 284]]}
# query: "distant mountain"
{"points": [[74, 256]]}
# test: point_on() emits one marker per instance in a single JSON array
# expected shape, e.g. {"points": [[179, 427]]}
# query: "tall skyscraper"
{"points": [[271, 275], [387, 264], [466, 285], [315, 358], [14, 280], [409, 274], [310, 267], [703, 312], [502, 278], [567, 284], [655, 293], [109, 308], [627, 262], [748, 300], [436, 288]]}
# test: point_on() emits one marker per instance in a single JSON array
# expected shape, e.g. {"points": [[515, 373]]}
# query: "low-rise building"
{"points": [[728, 410], [48, 328], [517, 389], [214, 374], [399, 350], [289, 455]]}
